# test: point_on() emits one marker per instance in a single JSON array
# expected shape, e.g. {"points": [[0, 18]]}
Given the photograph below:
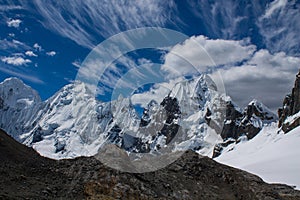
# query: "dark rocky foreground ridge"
{"points": [[26, 175]]}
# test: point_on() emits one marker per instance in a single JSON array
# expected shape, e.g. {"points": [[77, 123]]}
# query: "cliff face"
{"points": [[288, 114], [248, 123]]}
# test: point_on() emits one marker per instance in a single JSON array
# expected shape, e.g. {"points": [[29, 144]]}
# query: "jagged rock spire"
{"points": [[291, 106]]}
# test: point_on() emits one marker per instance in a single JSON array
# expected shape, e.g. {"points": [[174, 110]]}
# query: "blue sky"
{"points": [[44, 42]]}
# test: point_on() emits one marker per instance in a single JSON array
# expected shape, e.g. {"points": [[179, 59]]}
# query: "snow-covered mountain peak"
{"points": [[205, 81], [181, 91], [72, 93], [193, 88], [19, 105], [12, 81], [124, 114], [258, 109], [258, 104], [194, 95], [16, 94]]}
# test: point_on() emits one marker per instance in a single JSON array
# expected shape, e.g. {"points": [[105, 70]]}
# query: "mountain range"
{"points": [[194, 115], [73, 123]]}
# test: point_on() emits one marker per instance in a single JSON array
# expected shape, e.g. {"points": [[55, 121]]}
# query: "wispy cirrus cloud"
{"points": [[77, 64], [273, 7], [114, 72], [226, 19], [273, 25], [20, 72], [280, 26], [80, 21], [13, 45]]}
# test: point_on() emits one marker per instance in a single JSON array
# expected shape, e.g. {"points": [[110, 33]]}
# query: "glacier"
{"points": [[271, 155]]}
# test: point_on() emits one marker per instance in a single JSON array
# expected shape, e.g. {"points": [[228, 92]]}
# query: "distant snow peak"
{"points": [[19, 105], [13, 91], [261, 111]]}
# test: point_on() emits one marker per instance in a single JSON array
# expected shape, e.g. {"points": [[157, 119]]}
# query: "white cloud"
{"points": [[267, 77], [17, 55], [30, 53], [14, 23], [246, 73], [144, 61], [17, 42], [200, 53], [15, 60], [51, 53], [37, 47]]}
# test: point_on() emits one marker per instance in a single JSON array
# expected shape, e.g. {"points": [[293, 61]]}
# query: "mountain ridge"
{"points": [[73, 123]]}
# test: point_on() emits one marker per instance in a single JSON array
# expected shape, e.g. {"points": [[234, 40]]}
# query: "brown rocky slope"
{"points": [[26, 175]]}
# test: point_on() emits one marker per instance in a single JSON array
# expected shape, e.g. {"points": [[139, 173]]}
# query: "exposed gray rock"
{"points": [[291, 106], [243, 123]]}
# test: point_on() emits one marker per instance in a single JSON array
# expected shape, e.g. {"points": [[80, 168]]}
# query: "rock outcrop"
{"points": [[245, 123], [288, 114], [248, 122]]}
